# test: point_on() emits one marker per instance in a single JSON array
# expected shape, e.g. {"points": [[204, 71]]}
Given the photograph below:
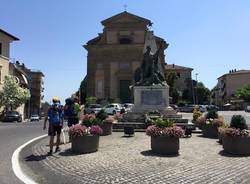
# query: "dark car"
{"points": [[11, 116], [187, 108], [212, 107]]}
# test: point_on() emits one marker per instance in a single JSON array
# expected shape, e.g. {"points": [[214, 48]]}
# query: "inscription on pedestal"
{"points": [[152, 97]]}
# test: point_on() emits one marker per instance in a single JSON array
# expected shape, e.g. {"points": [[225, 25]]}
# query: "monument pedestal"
{"points": [[151, 98]]}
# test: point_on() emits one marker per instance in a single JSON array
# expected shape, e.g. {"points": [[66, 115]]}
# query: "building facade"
{"points": [[227, 86], [184, 76], [5, 40], [115, 54], [36, 86]]}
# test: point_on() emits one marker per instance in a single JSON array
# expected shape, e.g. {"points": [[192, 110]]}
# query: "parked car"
{"points": [[92, 108], [187, 108], [11, 116], [203, 108], [212, 107], [113, 108], [247, 109], [175, 107], [34, 117], [127, 107]]}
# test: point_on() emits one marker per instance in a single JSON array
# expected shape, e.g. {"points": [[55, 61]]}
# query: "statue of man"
{"points": [[147, 64]]}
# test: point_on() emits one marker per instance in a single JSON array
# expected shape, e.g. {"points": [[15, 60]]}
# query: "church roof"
{"points": [[94, 40], [9, 35], [127, 15], [176, 67]]}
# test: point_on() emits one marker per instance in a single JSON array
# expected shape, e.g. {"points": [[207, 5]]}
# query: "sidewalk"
{"points": [[129, 160]]}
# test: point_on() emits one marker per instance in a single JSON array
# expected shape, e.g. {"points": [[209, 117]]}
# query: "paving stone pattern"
{"points": [[129, 160]]}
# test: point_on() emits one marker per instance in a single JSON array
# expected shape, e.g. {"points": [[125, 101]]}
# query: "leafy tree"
{"points": [[83, 90], [170, 78], [244, 93], [203, 93], [187, 94], [91, 100], [12, 95]]}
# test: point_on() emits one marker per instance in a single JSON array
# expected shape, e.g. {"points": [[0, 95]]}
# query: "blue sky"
{"points": [[211, 36]]}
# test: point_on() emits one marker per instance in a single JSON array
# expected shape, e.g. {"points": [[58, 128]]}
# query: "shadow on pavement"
{"points": [[35, 158], [127, 136], [152, 154], [206, 137], [225, 154]]}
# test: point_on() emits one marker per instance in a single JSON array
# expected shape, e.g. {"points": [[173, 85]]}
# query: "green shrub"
{"points": [[196, 113], [212, 114], [164, 122], [102, 115], [238, 121]]}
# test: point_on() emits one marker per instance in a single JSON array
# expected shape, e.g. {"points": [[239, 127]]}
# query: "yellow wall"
{"points": [[4, 67]]}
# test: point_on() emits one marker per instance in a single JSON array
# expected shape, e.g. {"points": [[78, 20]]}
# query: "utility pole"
{"points": [[196, 95]]}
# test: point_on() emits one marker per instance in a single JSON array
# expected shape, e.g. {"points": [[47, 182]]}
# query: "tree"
{"points": [[203, 93], [83, 90], [12, 95], [244, 93], [170, 78]]}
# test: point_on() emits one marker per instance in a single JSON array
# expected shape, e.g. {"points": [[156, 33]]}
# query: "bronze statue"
{"points": [[149, 73]]}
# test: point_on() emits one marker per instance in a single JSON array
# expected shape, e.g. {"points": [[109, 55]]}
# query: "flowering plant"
{"points": [[164, 127], [109, 119], [81, 130], [216, 122], [236, 132], [238, 127]]}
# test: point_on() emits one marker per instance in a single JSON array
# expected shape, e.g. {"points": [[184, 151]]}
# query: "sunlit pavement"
{"points": [[129, 160]]}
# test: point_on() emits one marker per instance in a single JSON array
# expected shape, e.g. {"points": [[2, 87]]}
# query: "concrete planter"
{"points": [[210, 131], [85, 144], [129, 130], [220, 137], [236, 145], [107, 128], [165, 144]]}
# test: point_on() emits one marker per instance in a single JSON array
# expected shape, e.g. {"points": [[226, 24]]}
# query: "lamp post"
{"points": [[196, 95]]}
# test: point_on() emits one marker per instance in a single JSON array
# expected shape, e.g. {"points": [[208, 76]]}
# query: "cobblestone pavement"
{"points": [[129, 160]]}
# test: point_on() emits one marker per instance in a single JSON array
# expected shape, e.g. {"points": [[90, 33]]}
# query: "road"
{"points": [[13, 135], [226, 114]]}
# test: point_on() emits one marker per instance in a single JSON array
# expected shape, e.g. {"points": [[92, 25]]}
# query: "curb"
{"points": [[15, 162]]}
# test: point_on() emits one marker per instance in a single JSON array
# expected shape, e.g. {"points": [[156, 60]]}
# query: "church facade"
{"points": [[114, 55]]}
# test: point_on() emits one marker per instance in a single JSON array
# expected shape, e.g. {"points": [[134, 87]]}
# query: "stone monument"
{"points": [[151, 91]]}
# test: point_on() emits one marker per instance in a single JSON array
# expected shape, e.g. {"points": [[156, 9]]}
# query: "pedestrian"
{"points": [[55, 118], [72, 111]]}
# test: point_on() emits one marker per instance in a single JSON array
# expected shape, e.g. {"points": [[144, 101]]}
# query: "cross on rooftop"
{"points": [[125, 7]]}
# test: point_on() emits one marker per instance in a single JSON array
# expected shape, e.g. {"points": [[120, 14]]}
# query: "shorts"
{"points": [[54, 130], [73, 121]]}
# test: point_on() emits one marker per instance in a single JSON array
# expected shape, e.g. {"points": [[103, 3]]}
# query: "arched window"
{"points": [[125, 40]]}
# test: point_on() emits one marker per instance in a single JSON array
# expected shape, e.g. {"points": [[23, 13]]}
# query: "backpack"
{"points": [[69, 110], [55, 114]]}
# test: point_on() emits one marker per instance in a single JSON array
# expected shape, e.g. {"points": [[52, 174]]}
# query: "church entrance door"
{"points": [[125, 92]]}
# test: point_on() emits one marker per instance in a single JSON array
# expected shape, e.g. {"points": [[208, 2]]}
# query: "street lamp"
{"points": [[196, 95]]}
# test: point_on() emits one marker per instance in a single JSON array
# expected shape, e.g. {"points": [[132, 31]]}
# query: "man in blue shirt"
{"points": [[55, 117]]}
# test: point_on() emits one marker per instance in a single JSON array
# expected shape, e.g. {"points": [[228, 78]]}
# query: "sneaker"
{"points": [[50, 153], [57, 149]]}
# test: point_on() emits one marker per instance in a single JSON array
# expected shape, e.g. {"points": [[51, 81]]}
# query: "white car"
{"points": [[34, 117], [113, 108], [247, 108], [128, 106]]}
